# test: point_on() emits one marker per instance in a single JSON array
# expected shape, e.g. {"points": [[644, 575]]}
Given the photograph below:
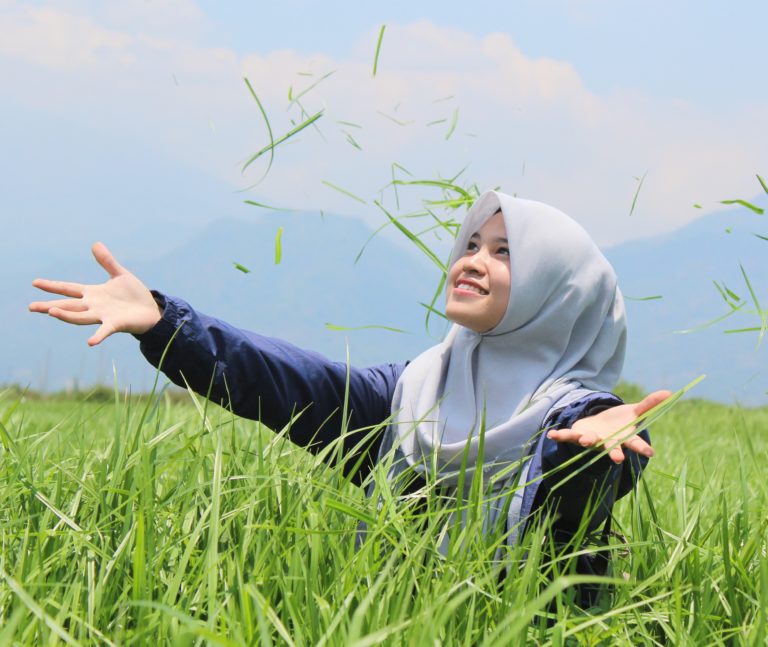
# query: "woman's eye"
{"points": [[503, 250], [472, 246]]}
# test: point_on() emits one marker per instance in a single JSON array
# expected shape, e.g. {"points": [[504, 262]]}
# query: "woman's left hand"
{"points": [[601, 430]]}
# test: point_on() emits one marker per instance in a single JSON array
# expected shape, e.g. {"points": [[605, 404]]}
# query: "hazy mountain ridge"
{"points": [[317, 281]]}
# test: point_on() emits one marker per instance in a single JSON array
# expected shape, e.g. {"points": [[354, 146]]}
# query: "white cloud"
{"points": [[58, 40], [580, 150]]}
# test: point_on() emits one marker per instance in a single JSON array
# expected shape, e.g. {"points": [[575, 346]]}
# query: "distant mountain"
{"points": [[316, 282], [681, 268], [295, 299]]}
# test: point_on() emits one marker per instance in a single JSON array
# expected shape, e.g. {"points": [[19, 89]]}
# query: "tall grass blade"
{"points": [[36, 609]]}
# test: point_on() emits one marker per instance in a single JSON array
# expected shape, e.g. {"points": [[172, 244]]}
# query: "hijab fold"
{"points": [[563, 333]]}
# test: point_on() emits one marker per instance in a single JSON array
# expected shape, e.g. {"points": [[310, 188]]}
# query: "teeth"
{"points": [[470, 287]]}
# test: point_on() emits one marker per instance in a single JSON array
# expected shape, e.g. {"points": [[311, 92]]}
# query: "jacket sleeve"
{"points": [[591, 481], [268, 379]]}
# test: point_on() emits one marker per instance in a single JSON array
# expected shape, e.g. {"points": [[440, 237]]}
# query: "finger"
{"points": [[616, 455], [77, 318], [564, 435], [106, 260], [651, 400], [103, 331], [63, 288], [588, 439], [73, 305], [639, 446]]}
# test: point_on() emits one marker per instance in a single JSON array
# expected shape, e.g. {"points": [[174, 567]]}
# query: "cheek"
{"points": [[453, 273], [503, 286]]}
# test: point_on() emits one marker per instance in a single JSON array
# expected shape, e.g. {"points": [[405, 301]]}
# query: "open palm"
{"points": [[121, 304], [612, 429]]}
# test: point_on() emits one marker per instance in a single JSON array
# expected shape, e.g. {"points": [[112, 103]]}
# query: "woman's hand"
{"points": [[122, 304], [602, 430]]}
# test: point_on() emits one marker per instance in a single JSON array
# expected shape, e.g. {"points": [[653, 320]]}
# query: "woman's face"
{"points": [[479, 282]]}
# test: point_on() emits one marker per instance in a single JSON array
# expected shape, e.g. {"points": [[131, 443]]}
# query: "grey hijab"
{"points": [[563, 333]]}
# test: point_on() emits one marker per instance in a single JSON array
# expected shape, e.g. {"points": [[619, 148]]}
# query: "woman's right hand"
{"points": [[121, 304]]}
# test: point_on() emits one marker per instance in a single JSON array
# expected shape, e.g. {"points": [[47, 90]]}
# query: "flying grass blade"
{"points": [[650, 298], [295, 99], [349, 123], [269, 128], [331, 326], [440, 184], [402, 168], [637, 192], [761, 313], [274, 143], [242, 268], [352, 140], [697, 206], [344, 191], [452, 127], [378, 50], [253, 203], [760, 236], [413, 238], [278, 245], [437, 121], [708, 323], [370, 238], [746, 204], [762, 183], [397, 121], [441, 99], [433, 310], [729, 296]]}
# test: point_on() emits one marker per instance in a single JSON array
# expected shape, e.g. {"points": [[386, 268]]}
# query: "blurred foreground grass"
{"points": [[167, 520]]}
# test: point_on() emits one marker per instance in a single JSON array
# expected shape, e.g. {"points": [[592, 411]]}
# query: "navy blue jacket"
{"points": [[270, 380]]}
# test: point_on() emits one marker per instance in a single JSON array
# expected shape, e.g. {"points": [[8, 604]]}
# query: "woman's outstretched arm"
{"points": [[255, 376]]}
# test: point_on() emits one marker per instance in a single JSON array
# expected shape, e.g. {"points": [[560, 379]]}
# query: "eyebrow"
{"points": [[500, 239]]}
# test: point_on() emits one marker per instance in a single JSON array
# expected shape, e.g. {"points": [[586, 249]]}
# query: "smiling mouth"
{"points": [[464, 286]]}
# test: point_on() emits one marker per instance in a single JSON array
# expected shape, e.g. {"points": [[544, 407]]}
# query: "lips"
{"points": [[469, 286]]}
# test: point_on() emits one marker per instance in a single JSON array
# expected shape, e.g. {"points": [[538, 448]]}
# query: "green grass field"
{"points": [[165, 521]]}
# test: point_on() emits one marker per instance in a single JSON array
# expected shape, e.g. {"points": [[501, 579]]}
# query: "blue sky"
{"points": [[129, 121], [120, 116]]}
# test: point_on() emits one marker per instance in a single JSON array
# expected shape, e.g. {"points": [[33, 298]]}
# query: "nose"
{"points": [[477, 262]]}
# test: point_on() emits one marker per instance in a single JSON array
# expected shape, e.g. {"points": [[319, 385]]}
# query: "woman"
{"points": [[537, 343]]}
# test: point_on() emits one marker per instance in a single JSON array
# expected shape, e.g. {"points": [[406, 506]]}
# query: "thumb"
{"points": [[650, 401], [102, 332], [104, 257]]}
